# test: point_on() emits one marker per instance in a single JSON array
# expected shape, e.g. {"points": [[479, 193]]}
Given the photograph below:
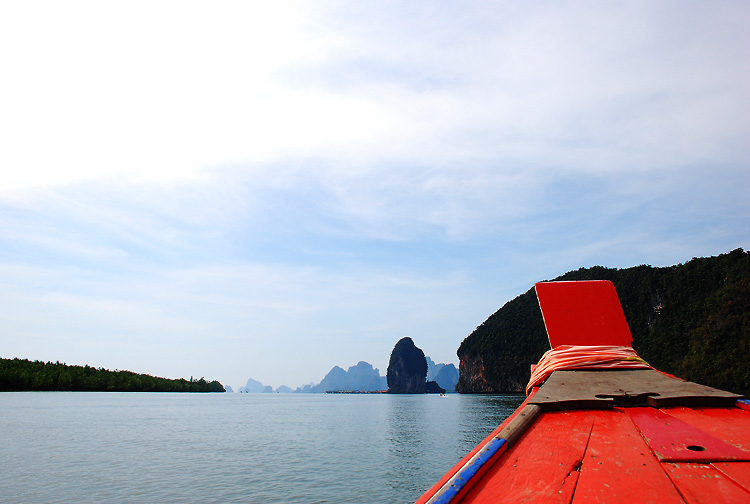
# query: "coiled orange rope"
{"points": [[569, 357]]}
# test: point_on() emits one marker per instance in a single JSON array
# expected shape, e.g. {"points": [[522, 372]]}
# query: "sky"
{"points": [[266, 190]]}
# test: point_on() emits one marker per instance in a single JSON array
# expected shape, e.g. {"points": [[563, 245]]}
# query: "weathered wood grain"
{"points": [[619, 466], [730, 424], [739, 472], [703, 483], [542, 466], [602, 389], [672, 439]]}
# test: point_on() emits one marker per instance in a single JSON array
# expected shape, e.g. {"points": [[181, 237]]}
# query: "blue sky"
{"points": [[269, 189]]}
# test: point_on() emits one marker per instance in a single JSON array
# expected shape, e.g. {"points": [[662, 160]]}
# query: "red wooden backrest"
{"points": [[583, 313]]}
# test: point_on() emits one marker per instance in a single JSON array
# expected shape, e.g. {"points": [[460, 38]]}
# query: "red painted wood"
{"points": [[543, 464], [739, 472], [729, 424], [671, 439], [480, 473], [702, 483], [619, 466], [583, 313]]}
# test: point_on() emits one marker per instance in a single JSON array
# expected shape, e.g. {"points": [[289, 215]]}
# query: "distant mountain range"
{"points": [[255, 387], [362, 377], [446, 375]]}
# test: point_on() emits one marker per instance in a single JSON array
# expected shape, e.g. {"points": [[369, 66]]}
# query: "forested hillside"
{"points": [[691, 320], [22, 374]]}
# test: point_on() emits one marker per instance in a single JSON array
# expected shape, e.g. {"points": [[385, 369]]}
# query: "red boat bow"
{"points": [[600, 425]]}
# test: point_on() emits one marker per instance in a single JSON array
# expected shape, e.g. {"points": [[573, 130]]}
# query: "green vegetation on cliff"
{"points": [[691, 320], [22, 375]]}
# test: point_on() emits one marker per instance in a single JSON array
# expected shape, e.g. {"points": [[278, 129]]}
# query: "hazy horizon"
{"points": [[266, 190]]}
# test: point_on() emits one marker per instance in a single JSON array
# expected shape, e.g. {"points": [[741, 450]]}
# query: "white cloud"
{"points": [[167, 91], [159, 91]]}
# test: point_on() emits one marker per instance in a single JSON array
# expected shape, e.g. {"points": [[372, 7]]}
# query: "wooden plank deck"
{"points": [[620, 467], [674, 440], [739, 472], [703, 483], [603, 389], [542, 467], [730, 424], [626, 454]]}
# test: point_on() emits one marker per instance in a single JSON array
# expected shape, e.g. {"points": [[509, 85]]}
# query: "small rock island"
{"points": [[407, 370]]}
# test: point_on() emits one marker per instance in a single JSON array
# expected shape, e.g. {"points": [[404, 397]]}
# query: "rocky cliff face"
{"points": [[407, 370], [473, 378], [689, 320], [497, 356]]}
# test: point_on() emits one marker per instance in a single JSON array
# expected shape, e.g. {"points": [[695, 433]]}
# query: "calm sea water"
{"points": [[285, 448]]}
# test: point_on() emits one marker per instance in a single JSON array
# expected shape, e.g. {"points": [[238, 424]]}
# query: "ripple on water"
{"points": [[290, 448]]}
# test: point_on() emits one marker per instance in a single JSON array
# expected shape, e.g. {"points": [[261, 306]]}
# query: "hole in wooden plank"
{"points": [[696, 448]]}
